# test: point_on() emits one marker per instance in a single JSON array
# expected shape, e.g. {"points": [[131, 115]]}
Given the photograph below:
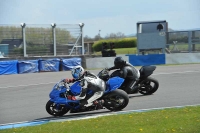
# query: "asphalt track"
{"points": [[23, 96]]}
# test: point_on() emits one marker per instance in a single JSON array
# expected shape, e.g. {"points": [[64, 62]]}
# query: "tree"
{"points": [[87, 38], [97, 37], [120, 35], [115, 35], [10, 32]]}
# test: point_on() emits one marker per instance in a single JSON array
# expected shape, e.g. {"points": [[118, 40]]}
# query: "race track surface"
{"points": [[23, 96]]}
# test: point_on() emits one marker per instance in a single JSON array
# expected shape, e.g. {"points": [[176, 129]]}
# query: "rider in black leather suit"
{"points": [[128, 72]]}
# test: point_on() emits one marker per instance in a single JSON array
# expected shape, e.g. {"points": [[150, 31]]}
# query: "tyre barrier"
{"points": [[40, 65]]}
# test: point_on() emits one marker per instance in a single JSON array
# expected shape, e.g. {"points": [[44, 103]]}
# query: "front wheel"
{"points": [[55, 110], [116, 100], [148, 86]]}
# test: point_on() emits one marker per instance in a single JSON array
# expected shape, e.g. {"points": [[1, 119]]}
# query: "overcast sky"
{"points": [[109, 16]]}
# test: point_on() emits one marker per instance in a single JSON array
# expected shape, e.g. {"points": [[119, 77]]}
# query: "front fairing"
{"points": [[57, 96], [56, 92]]}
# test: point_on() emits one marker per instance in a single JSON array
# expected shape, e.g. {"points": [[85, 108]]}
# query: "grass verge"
{"points": [[122, 51], [174, 120]]}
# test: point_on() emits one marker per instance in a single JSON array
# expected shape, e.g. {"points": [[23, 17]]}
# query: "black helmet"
{"points": [[119, 62]]}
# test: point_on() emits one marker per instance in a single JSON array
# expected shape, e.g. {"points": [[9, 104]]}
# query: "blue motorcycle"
{"points": [[59, 104]]}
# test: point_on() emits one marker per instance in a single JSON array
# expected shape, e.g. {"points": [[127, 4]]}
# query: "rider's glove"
{"points": [[69, 80], [64, 80], [69, 97], [86, 72], [107, 69]]}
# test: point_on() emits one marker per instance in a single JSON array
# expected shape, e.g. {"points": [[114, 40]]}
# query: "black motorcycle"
{"points": [[145, 85]]}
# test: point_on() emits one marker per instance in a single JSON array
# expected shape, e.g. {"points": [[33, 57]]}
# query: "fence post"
{"points": [[82, 38], [190, 41], [23, 25], [54, 37]]}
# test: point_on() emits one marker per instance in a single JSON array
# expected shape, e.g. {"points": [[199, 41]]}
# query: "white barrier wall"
{"points": [[175, 58], [102, 62], [180, 58]]}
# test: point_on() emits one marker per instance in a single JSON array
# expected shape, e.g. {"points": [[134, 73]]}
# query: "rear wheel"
{"points": [[55, 110], [116, 100], [148, 86]]}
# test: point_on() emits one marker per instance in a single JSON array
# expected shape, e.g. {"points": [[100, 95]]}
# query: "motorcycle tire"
{"points": [[116, 100], [51, 109], [146, 88]]}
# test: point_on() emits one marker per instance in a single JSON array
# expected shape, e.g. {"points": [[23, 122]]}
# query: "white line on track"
{"points": [[99, 115], [55, 82], [177, 72], [27, 85]]}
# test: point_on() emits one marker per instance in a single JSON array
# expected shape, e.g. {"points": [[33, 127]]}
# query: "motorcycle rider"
{"points": [[128, 72], [87, 81]]}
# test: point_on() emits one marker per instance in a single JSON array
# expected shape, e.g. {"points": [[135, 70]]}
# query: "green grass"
{"points": [[126, 51], [175, 120], [122, 51], [181, 47]]}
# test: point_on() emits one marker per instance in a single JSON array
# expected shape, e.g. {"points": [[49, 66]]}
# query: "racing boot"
{"points": [[134, 90], [99, 104]]}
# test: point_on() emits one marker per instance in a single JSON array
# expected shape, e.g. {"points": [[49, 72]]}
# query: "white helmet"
{"points": [[77, 72]]}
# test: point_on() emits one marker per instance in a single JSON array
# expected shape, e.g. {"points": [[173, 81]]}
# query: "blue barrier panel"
{"points": [[8, 67], [68, 64], [49, 65], [28, 66], [151, 59]]}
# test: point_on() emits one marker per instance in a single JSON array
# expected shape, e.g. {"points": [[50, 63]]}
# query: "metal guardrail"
{"points": [[183, 41], [30, 40], [43, 40], [178, 42]]}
